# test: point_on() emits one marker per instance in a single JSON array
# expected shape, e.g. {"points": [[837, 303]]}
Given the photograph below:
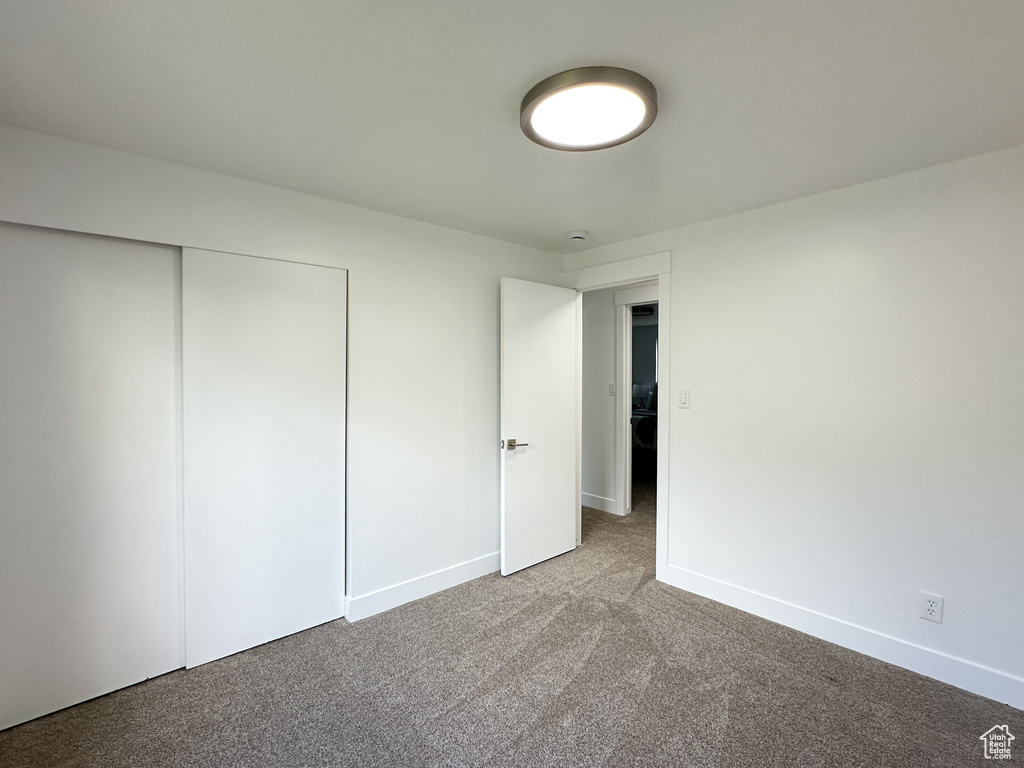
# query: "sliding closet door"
{"points": [[264, 434], [90, 547]]}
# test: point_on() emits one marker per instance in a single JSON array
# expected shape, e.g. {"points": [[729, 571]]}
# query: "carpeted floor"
{"points": [[583, 660]]}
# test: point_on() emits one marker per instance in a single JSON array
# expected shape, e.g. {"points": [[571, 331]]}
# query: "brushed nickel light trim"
{"points": [[613, 78]]}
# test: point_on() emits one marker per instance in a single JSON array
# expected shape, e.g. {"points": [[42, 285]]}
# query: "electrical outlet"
{"points": [[930, 607]]}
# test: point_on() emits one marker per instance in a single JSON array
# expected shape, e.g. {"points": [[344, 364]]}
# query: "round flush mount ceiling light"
{"points": [[588, 108]]}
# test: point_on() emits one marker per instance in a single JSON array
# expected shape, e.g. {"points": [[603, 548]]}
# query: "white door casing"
{"points": [[625, 299], [539, 405], [264, 449]]}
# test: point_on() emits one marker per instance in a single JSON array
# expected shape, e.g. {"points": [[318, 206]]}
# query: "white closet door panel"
{"points": [[264, 434], [90, 552]]}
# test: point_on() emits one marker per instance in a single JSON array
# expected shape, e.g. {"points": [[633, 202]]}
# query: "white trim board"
{"points": [[619, 272], [385, 599], [961, 673], [623, 409], [599, 502], [664, 433], [640, 294]]}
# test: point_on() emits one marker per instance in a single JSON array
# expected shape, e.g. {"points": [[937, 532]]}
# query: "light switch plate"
{"points": [[684, 398]]}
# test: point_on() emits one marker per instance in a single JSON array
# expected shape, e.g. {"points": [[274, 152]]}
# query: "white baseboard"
{"points": [[973, 677], [598, 502], [366, 605]]}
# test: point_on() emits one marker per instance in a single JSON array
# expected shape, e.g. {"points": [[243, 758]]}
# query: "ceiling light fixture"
{"points": [[588, 108]]}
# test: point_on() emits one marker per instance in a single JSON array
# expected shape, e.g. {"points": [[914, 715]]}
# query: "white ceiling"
{"points": [[411, 107]]}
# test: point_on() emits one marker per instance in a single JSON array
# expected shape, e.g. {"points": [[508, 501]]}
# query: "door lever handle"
{"points": [[512, 444]]}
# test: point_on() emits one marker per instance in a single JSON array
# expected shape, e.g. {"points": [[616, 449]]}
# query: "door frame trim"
{"points": [[624, 300]]}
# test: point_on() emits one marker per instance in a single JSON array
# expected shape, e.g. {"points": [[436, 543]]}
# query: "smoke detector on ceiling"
{"points": [[578, 235]]}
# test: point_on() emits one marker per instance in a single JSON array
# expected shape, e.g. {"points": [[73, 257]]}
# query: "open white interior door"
{"points": [[539, 499]]}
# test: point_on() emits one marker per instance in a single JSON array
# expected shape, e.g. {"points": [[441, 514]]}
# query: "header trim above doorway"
{"points": [[619, 272]]}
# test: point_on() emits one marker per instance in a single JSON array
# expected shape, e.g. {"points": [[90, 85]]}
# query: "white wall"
{"points": [[423, 338], [598, 455], [856, 434]]}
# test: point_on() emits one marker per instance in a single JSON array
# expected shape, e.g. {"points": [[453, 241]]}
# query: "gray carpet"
{"points": [[584, 660]]}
